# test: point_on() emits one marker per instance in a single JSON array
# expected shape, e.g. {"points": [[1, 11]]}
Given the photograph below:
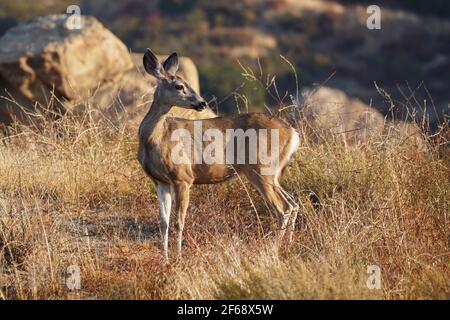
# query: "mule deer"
{"points": [[174, 178]]}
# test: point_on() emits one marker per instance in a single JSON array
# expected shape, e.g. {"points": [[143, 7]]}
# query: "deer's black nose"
{"points": [[201, 105]]}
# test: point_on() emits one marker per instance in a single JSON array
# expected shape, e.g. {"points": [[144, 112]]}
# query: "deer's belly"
{"points": [[209, 174]]}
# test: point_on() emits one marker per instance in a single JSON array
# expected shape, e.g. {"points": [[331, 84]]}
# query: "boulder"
{"points": [[47, 53], [331, 111], [406, 134], [88, 67]]}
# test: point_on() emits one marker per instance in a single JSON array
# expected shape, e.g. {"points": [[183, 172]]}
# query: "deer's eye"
{"points": [[179, 87]]}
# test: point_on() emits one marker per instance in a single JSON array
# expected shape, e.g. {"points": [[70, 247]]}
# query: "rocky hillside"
{"points": [[327, 41], [400, 70], [46, 64]]}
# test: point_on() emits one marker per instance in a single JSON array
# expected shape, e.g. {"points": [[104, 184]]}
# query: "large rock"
{"points": [[89, 67], [331, 111], [46, 53]]}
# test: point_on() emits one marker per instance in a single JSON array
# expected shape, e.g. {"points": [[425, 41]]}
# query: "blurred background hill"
{"points": [[327, 42]]}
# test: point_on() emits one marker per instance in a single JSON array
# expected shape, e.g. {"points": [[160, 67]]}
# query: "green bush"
{"points": [[227, 88]]}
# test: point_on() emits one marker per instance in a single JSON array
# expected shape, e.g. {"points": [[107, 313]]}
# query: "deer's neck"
{"points": [[152, 127]]}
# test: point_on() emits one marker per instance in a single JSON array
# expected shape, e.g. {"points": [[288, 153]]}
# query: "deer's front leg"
{"points": [[165, 204], [181, 190]]}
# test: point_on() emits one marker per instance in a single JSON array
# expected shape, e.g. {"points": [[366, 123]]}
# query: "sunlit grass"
{"points": [[72, 192]]}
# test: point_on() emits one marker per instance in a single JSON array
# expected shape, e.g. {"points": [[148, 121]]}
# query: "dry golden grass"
{"points": [[72, 193]]}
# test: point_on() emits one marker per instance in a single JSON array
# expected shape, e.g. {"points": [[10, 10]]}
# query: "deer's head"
{"points": [[172, 89]]}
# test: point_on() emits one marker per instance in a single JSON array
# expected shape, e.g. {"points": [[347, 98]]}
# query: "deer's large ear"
{"points": [[152, 64], [171, 64]]}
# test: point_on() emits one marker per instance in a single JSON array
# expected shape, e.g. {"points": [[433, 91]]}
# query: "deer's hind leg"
{"points": [[295, 209], [273, 195]]}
